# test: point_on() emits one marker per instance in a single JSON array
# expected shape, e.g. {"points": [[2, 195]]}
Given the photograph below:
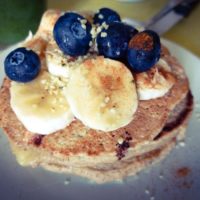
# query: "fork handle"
{"points": [[167, 8], [186, 7]]}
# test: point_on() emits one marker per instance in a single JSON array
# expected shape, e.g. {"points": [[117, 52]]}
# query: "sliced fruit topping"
{"points": [[106, 15], [155, 82], [102, 94], [72, 34], [144, 51], [22, 65], [59, 64], [40, 104], [112, 42]]}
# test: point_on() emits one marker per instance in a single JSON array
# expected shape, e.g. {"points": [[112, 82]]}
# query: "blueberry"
{"points": [[131, 31], [144, 51], [72, 34], [113, 41], [106, 15], [22, 65]]}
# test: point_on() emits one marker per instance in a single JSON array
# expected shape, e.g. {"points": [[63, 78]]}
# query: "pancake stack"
{"points": [[158, 124]]}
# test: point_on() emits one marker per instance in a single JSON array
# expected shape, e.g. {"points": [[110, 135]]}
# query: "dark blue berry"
{"points": [[144, 51], [22, 65], [131, 31], [72, 34], [106, 15], [113, 41]]}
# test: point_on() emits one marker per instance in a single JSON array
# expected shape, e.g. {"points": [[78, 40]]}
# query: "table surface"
{"points": [[186, 33]]}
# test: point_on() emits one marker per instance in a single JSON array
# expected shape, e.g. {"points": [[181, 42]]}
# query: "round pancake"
{"points": [[89, 150], [76, 138], [103, 176], [107, 173]]}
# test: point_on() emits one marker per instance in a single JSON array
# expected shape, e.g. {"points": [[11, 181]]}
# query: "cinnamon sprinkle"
{"points": [[182, 172]]}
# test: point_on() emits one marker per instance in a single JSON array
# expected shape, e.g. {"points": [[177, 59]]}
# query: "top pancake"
{"points": [[149, 119]]}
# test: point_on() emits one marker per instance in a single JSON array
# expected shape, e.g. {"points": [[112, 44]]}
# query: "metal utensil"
{"points": [[172, 13]]}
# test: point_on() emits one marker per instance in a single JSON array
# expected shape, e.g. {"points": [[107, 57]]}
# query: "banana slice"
{"points": [[156, 82], [102, 94], [47, 23], [59, 64], [40, 104]]}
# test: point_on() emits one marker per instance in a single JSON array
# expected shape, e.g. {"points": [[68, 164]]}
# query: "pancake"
{"points": [[103, 156], [149, 120], [105, 172]]}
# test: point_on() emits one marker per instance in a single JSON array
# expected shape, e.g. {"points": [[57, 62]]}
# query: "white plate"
{"points": [[158, 182]]}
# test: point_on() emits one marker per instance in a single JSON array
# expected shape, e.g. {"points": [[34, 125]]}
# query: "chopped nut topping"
{"points": [[112, 110], [54, 85], [43, 81], [83, 21], [34, 105], [103, 34], [83, 26], [102, 105], [107, 99], [120, 140], [99, 29], [100, 16], [90, 44], [93, 32], [104, 25]]}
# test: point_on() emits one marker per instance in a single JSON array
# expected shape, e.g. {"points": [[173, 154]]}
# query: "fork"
{"points": [[174, 5]]}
